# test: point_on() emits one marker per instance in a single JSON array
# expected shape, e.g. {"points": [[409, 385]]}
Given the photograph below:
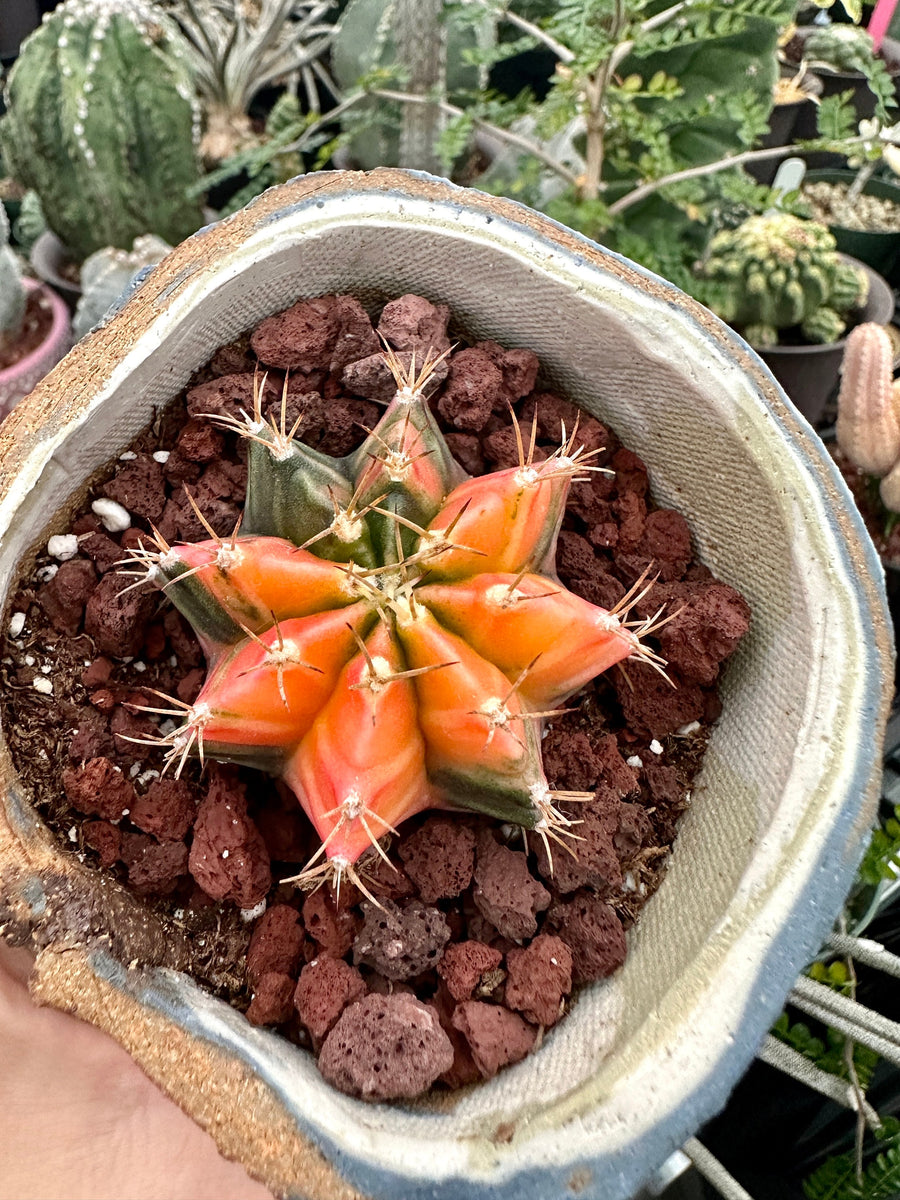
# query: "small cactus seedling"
{"points": [[868, 423], [386, 633], [777, 271]]}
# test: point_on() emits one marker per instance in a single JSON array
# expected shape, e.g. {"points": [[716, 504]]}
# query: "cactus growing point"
{"points": [[386, 633]]}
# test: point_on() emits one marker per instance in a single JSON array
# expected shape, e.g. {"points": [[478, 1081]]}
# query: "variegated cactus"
{"points": [[868, 423], [386, 633]]}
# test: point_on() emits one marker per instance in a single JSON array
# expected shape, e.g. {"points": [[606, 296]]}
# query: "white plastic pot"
{"points": [[786, 795]]}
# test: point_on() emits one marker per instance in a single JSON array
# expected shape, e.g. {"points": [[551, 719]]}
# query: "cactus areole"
{"points": [[386, 633]]}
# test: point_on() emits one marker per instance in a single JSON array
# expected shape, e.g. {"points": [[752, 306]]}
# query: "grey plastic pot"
{"points": [[788, 787]]}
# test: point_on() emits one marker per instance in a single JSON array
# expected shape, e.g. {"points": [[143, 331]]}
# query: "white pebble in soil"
{"points": [[635, 762], [112, 515], [161, 456], [16, 624], [63, 546], [250, 914], [656, 747], [42, 684]]}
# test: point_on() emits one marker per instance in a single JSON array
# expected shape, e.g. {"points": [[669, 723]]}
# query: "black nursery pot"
{"points": [[877, 248], [809, 373]]}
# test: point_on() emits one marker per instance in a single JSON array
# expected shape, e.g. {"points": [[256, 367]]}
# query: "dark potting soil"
{"points": [[478, 942], [35, 330]]}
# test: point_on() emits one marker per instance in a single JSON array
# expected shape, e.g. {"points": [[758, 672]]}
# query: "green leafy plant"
{"points": [[842, 1178], [828, 1051]]}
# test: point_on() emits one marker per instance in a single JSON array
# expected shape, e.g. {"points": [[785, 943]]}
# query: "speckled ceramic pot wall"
{"points": [[787, 791]]}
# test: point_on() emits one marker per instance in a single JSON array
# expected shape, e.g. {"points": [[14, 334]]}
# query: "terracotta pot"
{"points": [[18, 380], [787, 791]]}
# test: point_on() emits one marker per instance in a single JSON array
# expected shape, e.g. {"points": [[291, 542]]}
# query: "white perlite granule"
{"points": [[16, 624], [161, 456], [112, 515], [43, 685], [63, 546], [250, 914], [635, 762], [655, 747]]}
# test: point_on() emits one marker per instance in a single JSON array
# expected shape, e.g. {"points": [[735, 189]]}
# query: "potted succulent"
{"points": [[845, 59], [633, 1070], [106, 169], [780, 281], [34, 327]]}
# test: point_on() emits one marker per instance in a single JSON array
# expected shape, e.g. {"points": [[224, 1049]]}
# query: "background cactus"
{"points": [[102, 123], [777, 271], [107, 273], [12, 292], [868, 423], [840, 48], [386, 633]]}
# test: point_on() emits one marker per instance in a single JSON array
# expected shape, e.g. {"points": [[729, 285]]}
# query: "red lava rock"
{"points": [[125, 724], [332, 930], [180, 522], [228, 856], [99, 788], [663, 783], [133, 846], [200, 441], [117, 619], [634, 826], [591, 499], [92, 738], [155, 642], [474, 386], [182, 640], [667, 543], [463, 1069], [227, 396], [655, 708], [613, 767], [167, 809], [463, 964], [276, 944], [439, 858], [575, 557], [372, 377], [383, 882], [713, 618], [273, 1000], [506, 893], [519, 369], [189, 687], [538, 978], [139, 486], [401, 941], [326, 987], [631, 512], [414, 323], [103, 551], [570, 759], [601, 589], [593, 933], [386, 1048], [159, 868], [554, 414], [105, 839], [631, 473], [595, 863], [496, 1036], [321, 334], [337, 424], [98, 673], [63, 599], [466, 449]]}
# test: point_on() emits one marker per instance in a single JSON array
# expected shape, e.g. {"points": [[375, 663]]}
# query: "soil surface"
{"points": [[829, 204], [478, 942], [35, 330]]}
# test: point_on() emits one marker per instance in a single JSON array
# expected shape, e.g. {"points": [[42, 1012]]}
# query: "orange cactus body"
{"points": [[531, 624], [404, 655]]}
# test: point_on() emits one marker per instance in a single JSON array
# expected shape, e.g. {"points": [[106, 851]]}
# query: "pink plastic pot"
{"points": [[17, 381]]}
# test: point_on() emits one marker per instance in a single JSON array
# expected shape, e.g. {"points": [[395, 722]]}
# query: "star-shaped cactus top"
{"points": [[386, 633]]}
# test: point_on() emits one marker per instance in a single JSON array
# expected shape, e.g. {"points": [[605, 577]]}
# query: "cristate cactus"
{"points": [[868, 425], [775, 272], [101, 123], [386, 633]]}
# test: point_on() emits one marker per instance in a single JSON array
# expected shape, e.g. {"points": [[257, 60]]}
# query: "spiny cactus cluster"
{"points": [[868, 424], [840, 48], [102, 124], [776, 272], [12, 293], [386, 633]]}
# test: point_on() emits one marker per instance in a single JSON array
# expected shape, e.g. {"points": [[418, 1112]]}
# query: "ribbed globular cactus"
{"points": [[840, 48], [868, 423], [12, 293], [386, 633], [775, 272], [101, 122]]}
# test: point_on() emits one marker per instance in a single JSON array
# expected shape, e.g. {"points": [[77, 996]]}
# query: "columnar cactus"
{"points": [[101, 122], [775, 272], [868, 424], [386, 633], [12, 293]]}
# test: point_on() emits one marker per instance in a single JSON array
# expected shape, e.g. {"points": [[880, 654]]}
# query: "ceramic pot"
{"points": [[809, 374], [18, 380], [788, 788]]}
